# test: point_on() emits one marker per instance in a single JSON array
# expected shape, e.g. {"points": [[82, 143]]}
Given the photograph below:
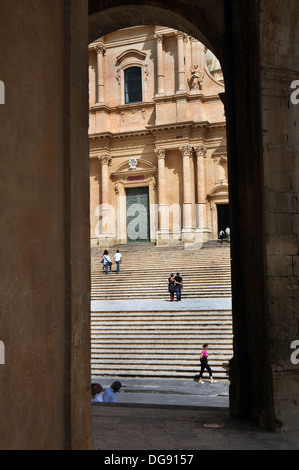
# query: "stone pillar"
{"points": [[181, 62], [163, 223], [202, 228], [106, 237], [160, 64], [188, 229], [100, 93]]}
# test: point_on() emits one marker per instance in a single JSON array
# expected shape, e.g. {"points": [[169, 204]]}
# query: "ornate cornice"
{"points": [[130, 53]]}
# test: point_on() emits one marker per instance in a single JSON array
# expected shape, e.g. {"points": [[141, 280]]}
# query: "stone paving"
{"points": [[138, 428], [165, 414]]}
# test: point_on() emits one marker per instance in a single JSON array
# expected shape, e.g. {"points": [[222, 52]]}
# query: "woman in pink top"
{"points": [[204, 364]]}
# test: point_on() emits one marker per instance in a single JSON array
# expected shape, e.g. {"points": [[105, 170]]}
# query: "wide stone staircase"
{"points": [[146, 269], [161, 343]]}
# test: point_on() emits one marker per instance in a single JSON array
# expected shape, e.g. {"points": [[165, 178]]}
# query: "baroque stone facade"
{"points": [[169, 140]]}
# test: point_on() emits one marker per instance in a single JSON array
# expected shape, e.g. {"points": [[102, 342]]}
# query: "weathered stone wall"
{"points": [[44, 268], [279, 68]]}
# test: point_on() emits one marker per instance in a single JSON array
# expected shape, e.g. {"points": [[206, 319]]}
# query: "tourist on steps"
{"points": [[107, 261], [118, 259], [171, 287], [204, 365], [178, 287]]}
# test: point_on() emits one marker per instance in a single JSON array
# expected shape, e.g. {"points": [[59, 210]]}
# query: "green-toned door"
{"points": [[138, 218]]}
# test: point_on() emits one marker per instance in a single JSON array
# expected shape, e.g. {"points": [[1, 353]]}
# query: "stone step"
{"points": [[131, 373], [172, 342], [99, 352]]}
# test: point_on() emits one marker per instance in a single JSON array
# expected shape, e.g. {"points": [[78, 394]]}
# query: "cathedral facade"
{"points": [[158, 153]]}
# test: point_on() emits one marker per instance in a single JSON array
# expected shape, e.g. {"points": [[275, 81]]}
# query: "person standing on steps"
{"points": [[227, 231], [178, 287], [118, 259], [221, 236], [103, 262], [107, 261], [205, 365], [171, 287]]}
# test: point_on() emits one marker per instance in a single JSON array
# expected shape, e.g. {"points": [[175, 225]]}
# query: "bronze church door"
{"points": [[138, 215]]}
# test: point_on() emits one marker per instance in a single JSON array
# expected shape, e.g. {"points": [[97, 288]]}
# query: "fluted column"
{"points": [[181, 37], [188, 229], [100, 73], [201, 207], [160, 64], [163, 228]]}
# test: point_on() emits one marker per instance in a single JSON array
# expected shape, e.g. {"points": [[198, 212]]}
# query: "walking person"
{"points": [[227, 231], [178, 287], [102, 261], [118, 260], [205, 365], [221, 236], [107, 261], [171, 287]]}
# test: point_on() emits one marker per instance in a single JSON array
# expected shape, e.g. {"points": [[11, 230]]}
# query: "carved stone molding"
{"points": [[121, 182]]}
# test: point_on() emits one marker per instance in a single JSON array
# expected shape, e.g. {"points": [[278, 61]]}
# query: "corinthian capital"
{"points": [[186, 151], [161, 153], [105, 159], [159, 37], [100, 48], [201, 151]]}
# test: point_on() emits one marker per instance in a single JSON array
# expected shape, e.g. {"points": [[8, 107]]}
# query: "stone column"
{"points": [[100, 73], [163, 224], [188, 229], [201, 208], [160, 64], [181, 62], [105, 208]]}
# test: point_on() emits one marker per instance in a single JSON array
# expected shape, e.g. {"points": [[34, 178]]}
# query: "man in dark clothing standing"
{"points": [[178, 287]]}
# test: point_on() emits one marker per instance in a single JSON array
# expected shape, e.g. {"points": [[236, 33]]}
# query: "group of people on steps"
{"points": [[175, 287]]}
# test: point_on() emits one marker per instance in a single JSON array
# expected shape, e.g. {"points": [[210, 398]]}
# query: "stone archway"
{"points": [[211, 23]]}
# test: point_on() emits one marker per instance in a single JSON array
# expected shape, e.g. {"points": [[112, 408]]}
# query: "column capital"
{"points": [[181, 35], [160, 153], [105, 159], [100, 48], [159, 37], [201, 151], [186, 151]]}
